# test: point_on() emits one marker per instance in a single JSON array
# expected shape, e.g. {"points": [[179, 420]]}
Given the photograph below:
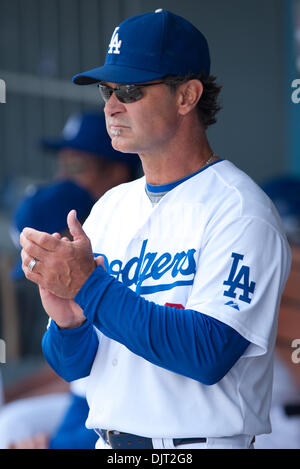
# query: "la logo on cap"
{"points": [[115, 44]]}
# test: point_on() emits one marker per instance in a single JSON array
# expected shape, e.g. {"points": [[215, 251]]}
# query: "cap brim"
{"points": [[52, 144], [59, 144], [131, 160], [115, 74]]}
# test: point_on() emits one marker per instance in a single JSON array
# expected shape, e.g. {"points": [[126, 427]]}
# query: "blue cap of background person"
{"points": [[151, 46], [285, 194], [86, 132], [46, 210]]}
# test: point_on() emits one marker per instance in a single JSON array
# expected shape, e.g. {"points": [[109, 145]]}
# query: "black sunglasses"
{"points": [[124, 93]]}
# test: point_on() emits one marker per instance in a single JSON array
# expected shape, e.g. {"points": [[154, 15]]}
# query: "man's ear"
{"points": [[189, 94]]}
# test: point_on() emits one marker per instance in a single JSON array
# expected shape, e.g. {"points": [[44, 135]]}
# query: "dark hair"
{"points": [[207, 106]]}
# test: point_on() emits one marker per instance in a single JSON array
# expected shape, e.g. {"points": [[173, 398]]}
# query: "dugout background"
{"points": [[44, 43]]}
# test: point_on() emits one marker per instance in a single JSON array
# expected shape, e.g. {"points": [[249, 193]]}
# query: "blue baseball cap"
{"points": [[151, 46], [86, 132], [46, 209]]}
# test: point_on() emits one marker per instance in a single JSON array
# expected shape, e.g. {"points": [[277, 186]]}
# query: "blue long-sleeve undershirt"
{"points": [[183, 341], [70, 352], [72, 432]]}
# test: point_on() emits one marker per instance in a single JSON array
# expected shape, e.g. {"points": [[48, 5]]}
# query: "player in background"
{"points": [[175, 322], [85, 156], [284, 191], [37, 415], [46, 413]]}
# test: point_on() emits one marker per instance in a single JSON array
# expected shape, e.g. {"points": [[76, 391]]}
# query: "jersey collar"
{"points": [[163, 188]]}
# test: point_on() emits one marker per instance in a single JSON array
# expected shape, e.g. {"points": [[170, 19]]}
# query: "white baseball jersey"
{"points": [[213, 244]]}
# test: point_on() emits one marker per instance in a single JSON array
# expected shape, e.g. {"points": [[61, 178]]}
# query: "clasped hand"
{"points": [[62, 265]]}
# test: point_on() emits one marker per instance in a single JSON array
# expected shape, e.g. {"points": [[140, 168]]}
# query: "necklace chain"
{"points": [[212, 156]]}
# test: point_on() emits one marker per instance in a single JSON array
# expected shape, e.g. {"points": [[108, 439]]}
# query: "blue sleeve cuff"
{"points": [[58, 332], [70, 352]]}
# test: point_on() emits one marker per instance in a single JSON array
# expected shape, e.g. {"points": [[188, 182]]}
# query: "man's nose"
{"points": [[113, 106]]}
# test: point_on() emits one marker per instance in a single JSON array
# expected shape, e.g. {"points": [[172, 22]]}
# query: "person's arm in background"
{"points": [[72, 432], [44, 381]]}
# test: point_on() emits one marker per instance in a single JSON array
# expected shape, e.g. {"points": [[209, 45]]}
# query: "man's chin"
{"points": [[119, 144]]}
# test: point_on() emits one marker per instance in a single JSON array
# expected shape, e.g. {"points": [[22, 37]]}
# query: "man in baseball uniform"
{"points": [[175, 320]]}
